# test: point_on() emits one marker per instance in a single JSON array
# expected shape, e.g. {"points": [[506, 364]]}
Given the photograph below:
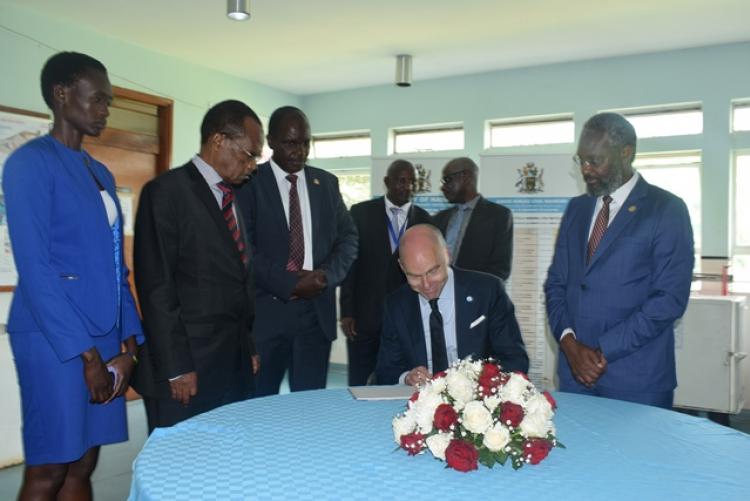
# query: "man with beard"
{"points": [[380, 223], [620, 276]]}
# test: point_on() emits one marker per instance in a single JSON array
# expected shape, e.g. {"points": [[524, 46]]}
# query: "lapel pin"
{"points": [[315, 181], [632, 208], [469, 299]]}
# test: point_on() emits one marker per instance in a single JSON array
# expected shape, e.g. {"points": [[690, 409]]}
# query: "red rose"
{"points": [[550, 399], [438, 375], [414, 396], [536, 449], [413, 443], [511, 414], [461, 456], [490, 370], [445, 416]]}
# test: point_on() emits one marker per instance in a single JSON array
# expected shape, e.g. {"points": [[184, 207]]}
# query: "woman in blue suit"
{"points": [[72, 310]]}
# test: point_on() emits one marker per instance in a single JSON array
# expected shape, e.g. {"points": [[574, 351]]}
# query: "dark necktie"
{"points": [[437, 339], [296, 236], [600, 226], [227, 202]]}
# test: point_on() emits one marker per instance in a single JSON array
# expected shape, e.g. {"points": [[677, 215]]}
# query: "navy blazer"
{"points": [[334, 244], [402, 345], [626, 300], [64, 249]]}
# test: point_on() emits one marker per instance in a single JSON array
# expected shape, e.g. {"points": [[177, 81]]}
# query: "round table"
{"points": [[326, 445]]}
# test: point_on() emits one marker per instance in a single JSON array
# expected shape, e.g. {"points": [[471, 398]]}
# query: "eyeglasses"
{"points": [[250, 157], [448, 178], [593, 162]]}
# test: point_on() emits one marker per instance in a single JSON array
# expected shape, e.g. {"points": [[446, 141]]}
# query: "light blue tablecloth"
{"points": [[325, 445]]}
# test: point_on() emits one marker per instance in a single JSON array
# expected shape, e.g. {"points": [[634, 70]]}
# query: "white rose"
{"points": [[402, 425], [438, 443], [514, 389], [496, 438], [424, 410], [539, 405], [476, 417], [492, 402], [535, 425], [438, 385], [461, 388]]}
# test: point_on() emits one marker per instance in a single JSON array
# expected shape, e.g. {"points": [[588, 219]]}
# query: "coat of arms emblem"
{"points": [[530, 179]]}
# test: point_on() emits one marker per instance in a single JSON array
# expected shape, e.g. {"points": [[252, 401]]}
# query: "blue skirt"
{"points": [[59, 423]]}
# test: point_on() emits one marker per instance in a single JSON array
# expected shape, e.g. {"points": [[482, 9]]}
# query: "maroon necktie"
{"points": [[227, 202], [600, 226], [296, 237]]}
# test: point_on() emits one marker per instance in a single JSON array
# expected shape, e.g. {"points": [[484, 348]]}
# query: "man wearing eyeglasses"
{"points": [[193, 273], [479, 233], [620, 276], [444, 314]]}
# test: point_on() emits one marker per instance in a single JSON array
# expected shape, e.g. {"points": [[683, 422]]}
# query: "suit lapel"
{"points": [[413, 320], [313, 195], [270, 189], [203, 193], [460, 294], [380, 227], [627, 213]]}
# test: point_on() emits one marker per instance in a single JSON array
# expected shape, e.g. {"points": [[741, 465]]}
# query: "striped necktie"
{"points": [[227, 202]]}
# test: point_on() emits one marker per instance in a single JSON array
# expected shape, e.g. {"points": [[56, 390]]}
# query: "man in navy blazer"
{"points": [[473, 313], [620, 276], [303, 243]]}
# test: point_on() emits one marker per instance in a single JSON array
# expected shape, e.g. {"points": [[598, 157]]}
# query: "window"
{"points": [[354, 184], [741, 116], [741, 214], [666, 121], [355, 144], [679, 173], [438, 138], [531, 131]]}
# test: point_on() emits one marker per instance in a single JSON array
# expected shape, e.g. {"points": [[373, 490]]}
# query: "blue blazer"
{"points": [[334, 245], [402, 344], [64, 250], [626, 300]]}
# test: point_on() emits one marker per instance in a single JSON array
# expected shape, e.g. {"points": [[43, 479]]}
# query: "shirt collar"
{"points": [[280, 174], [471, 203], [390, 205], [209, 173]]}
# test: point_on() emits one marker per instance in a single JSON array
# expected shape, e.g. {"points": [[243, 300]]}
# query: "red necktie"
{"points": [[600, 226], [296, 237], [226, 209]]}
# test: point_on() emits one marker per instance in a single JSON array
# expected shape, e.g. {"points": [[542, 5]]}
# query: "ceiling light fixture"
{"points": [[238, 10], [403, 70]]}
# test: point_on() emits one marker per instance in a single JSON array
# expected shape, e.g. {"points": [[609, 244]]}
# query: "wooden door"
{"points": [[136, 146]]}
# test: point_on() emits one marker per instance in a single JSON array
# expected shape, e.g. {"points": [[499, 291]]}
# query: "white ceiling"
{"points": [[306, 46]]}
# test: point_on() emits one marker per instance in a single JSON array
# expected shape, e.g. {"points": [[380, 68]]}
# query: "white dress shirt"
{"points": [[447, 307]]}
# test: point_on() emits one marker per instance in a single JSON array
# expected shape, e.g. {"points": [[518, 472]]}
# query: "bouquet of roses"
{"points": [[474, 412]]}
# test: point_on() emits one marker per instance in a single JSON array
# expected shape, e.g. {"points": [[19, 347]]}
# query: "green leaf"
{"points": [[486, 457], [501, 457], [560, 445]]}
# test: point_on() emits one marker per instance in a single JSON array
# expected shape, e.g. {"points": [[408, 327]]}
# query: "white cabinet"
{"points": [[710, 345]]}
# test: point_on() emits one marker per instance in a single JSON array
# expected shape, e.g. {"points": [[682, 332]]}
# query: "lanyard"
{"points": [[392, 232]]}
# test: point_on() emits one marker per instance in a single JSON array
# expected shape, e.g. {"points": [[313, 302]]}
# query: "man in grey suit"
{"points": [[303, 243], [479, 233]]}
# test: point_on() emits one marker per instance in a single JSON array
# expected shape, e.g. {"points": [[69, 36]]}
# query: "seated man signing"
{"points": [[444, 314]]}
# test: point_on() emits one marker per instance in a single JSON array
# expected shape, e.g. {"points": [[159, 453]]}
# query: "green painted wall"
{"points": [[193, 88], [712, 75]]}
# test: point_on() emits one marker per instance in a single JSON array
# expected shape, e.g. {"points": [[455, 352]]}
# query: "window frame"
{"points": [[664, 109], [339, 136], [528, 120], [395, 132]]}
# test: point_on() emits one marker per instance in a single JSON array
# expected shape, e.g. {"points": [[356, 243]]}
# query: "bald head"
{"points": [[424, 260]]}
